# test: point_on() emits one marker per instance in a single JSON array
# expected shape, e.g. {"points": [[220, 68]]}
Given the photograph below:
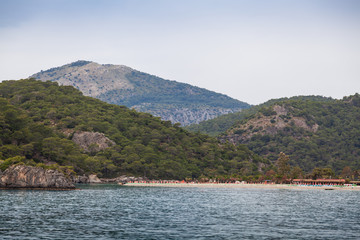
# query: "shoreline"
{"points": [[38, 188], [247, 186]]}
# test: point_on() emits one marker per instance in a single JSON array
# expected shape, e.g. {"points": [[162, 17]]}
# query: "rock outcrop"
{"points": [[92, 141], [80, 179], [90, 78], [186, 116], [22, 176], [94, 179]]}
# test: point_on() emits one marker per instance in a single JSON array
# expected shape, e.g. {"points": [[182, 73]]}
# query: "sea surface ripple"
{"points": [[116, 212]]}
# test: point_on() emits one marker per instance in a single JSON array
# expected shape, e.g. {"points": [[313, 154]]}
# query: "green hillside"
{"points": [[38, 122], [313, 133], [149, 88], [218, 125]]}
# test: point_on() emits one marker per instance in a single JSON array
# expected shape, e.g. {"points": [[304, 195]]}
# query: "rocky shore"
{"points": [[28, 177], [94, 179]]}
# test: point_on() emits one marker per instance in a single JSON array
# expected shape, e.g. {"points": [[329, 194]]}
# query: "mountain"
{"points": [[50, 126], [121, 85], [313, 133], [220, 124]]}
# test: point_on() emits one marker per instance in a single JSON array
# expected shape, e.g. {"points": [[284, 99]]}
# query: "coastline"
{"points": [[39, 188], [247, 186]]}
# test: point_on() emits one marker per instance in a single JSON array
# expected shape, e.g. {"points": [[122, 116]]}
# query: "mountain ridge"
{"points": [[122, 85]]}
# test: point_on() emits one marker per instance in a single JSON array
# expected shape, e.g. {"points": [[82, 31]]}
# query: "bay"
{"points": [[118, 212]]}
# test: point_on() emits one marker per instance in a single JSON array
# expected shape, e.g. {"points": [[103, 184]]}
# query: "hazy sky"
{"points": [[251, 50]]}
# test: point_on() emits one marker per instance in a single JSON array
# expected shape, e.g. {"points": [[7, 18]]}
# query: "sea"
{"points": [[120, 212]]}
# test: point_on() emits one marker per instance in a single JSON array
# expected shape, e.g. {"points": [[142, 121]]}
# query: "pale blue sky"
{"points": [[251, 50]]}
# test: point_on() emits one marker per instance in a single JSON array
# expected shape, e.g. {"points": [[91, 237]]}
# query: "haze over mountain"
{"points": [[121, 85]]}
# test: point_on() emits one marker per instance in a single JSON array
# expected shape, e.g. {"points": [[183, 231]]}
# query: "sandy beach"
{"points": [[248, 186]]}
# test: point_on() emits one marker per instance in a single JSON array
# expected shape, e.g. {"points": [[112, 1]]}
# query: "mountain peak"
{"points": [[91, 78], [122, 85], [79, 63]]}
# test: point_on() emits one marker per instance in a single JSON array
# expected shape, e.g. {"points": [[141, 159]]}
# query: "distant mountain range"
{"points": [[121, 85]]}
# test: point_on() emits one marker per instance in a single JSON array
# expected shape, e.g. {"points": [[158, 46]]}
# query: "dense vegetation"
{"points": [[335, 144], [218, 125], [38, 120], [151, 89]]}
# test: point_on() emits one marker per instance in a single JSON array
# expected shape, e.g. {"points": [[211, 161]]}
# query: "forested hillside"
{"points": [[44, 124], [121, 85], [313, 133], [218, 125]]}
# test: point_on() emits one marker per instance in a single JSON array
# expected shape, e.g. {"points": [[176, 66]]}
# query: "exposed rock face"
{"points": [[121, 179], [21, 176], [90, 78], [187, 116], [80, 179], [94, 179], [125, 179], [92, 141]]}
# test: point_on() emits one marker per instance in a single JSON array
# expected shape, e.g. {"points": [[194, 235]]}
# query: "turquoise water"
{"points": [[116, 212]]}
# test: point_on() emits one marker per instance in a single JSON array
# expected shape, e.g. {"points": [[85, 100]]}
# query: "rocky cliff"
{"points": [[121, 85], [187, 116], [22, 176], [92, 141]]}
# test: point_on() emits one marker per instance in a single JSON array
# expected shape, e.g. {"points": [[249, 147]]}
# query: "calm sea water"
{"points": [[116, 212]]}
